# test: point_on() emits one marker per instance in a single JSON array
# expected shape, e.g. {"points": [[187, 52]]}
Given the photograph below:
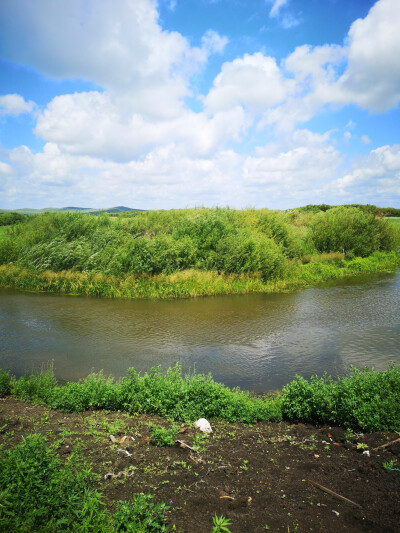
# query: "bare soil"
{"points": [[265, 476]]}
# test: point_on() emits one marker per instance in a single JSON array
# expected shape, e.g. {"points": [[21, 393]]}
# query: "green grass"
{"points": [[192, 283]]}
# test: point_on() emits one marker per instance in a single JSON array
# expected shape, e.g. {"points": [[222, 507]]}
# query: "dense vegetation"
{"points": [[39, 492], [364, 399], [266, 246], [10, 218]]}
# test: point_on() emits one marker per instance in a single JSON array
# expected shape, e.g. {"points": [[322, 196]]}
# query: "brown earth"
{"points": [[259, 476]]}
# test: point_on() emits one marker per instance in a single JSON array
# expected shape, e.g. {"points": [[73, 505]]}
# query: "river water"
{"points": [[258, 342]]}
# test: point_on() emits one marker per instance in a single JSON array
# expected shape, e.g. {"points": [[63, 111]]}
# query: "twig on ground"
{"points": [[386, 445], [329, 491]]}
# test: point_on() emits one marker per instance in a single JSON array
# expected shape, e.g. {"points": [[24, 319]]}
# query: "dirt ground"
{"points": [[262, 477]]}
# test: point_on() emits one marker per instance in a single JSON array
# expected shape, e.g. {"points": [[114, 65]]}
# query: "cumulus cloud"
{"points": [[254, 81], [135, 139], [14, 104], [372, 77], [377, 174]]}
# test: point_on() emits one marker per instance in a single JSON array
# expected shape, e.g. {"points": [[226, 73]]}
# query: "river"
{"points": [[257, 341]]}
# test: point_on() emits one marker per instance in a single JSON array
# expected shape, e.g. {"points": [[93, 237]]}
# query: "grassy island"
{"points": [[194, 252]]}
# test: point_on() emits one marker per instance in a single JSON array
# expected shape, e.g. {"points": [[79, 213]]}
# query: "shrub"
{"points": [[243, 252], [365, 399], [39, 493], [356, 231]]}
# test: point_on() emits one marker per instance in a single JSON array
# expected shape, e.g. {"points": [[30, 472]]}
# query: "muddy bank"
{"points": [[265, 474]]}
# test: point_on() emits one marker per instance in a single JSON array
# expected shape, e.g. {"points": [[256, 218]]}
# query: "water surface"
{"points": [[258, 342]]}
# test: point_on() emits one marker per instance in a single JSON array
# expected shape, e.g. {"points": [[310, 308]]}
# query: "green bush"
{"points": [[243, 252], [356, 231], [8, 219], [39, 493], [365, 399]]}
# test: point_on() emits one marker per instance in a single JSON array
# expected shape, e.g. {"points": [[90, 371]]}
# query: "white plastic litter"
{"points": [[125, 452], [203, 425]]}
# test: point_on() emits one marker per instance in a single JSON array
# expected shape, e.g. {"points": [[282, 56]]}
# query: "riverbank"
{"points": [[264, 476], [194, 283], [92, 455]]}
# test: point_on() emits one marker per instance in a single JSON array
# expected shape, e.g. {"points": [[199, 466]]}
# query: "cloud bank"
{"points": [[137, 140]]}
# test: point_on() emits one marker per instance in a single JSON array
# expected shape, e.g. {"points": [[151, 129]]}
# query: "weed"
{"points": [[161, 436], [244, 465], [389, 465], [200, 441], [140, 514], [220, 524]]}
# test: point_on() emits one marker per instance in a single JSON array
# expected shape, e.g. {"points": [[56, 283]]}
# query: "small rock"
{"points": [[113, 439], [203, 425]]}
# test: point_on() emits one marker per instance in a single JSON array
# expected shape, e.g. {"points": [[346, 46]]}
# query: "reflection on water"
{"points": [[256, 341]]}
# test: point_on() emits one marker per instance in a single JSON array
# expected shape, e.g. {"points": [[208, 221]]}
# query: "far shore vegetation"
{"points": [[195, 252]]}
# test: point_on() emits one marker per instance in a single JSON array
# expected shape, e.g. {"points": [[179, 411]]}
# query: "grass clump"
{"points": [[141, 515], [162, 436]]}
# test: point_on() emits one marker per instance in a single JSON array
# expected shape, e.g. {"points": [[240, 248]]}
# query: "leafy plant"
{"points": [[221, 524], [162, 436], [140, 514], [38, 492], [389, 465]]}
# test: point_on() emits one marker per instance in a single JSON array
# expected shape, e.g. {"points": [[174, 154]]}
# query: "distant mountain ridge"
{"points": [[70, 209]]}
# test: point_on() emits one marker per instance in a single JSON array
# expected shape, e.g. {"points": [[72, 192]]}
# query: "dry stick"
{"points": [[184, 445], [333, 493], [386, 445]]}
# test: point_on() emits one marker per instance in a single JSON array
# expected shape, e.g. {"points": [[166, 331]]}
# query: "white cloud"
{"points": [[277, 4], [254, 81], [5, 169], [14, 104], [365, 139], [376, 175], [136, 141], [372, 78]]}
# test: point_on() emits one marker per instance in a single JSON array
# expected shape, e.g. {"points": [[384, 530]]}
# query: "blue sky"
{"points": [[180, 103]]}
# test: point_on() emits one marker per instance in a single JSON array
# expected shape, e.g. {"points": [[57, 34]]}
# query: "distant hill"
{"points": [[88, 210]]}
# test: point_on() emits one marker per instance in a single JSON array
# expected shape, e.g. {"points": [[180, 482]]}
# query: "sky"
{"points": [[182, 103]]}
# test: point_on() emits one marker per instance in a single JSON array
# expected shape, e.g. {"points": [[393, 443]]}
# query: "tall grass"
{"points": [[364, 399], [192, 283]]}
